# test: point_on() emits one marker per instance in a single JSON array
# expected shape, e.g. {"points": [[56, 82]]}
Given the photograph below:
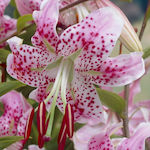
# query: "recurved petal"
{"points": [[27, 62], [137, 140], [7, 27], [14, 108], [100, 142], [3, 4], [86, 104], [120, 70], [96, 38], [81, 137], [46, 21]]}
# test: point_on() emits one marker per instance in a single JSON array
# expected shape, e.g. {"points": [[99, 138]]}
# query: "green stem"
{"points": [[144, 21], [73, 4], [126, 119]]}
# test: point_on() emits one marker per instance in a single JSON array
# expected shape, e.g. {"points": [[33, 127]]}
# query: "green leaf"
{"points": [[28, 34], [1, 108], [3, 55], [8, 86], [111, 100], [22, 20], [26, 90], [6, 141], [146, 53], [147, 15]]}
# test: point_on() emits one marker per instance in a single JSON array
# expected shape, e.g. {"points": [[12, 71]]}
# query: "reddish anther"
{"points": [[62, 132], [69, 117], [41, 123], [29, 125], [41, 117]]}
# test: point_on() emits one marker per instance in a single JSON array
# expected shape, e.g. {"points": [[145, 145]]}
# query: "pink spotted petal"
{"points": [[93, 137], [26, 63], [82, 136], [3, 4], [120, 70], [39, 94], [137, 140], [27, 6], [96, 38], [7, 27], [7, 24], [100, 142], [15, 107], [46, 21], [86, 105]]}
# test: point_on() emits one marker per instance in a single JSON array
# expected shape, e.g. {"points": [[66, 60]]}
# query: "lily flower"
{"points": [[65, 67], [15, 117], [128, 36], [98, 138], [137, 140], [27, 6], [7, 24]]}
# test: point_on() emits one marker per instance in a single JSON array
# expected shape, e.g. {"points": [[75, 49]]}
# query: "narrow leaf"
{"points": [[146, 53], [21, 23], [111, 100], [147, 15], [8, 86], [8, 140], [3, 55]]}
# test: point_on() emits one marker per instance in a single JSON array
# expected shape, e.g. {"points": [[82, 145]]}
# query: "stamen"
{"points": [[28, 125], [60, 82], [52, 110], [69, 115], [64, 82], [55, 86]]}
